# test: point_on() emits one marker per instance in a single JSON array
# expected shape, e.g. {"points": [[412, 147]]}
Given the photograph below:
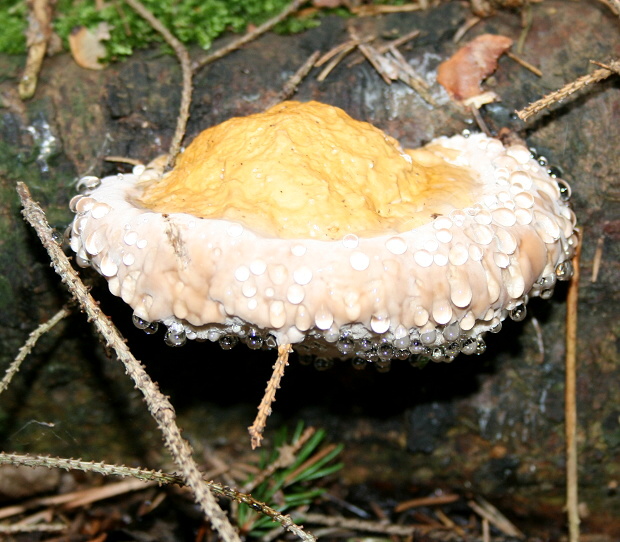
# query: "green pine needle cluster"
{"points": [[281, 491]]}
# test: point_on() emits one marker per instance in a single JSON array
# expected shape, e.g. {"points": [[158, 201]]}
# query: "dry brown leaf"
{"points": [[462, 74], [87, 46]]}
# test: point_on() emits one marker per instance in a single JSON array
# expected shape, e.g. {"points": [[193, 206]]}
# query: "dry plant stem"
{"points": [[246, 38], [570, 402], [559, 95], [598, 258], [142, 475], [29, 345], [264, 409], [38, 34], [524, 63], [186, 70], [40, 528], [365, 525], [291, 85], [488, 512], [158, 405], [426, 501], [123, 160]]}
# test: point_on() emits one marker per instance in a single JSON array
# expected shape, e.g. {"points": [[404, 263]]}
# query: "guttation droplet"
{"points": [[518, 313], [175, 337], [148, 327], [564, 270], [227, 342]]}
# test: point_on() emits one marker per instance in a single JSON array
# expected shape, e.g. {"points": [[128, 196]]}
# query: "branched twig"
{"points": [[246, 38], [568, 89], [264, 409], [29, 345], [146, 475], [570, 401], [158, 404], [186, 69]]}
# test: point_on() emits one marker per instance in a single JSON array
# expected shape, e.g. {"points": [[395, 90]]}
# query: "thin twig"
{"points": [[158, 404], [465, 27], [122, 160], [365, 525], [487, 511], [570, 401], [385, 47], [350, 46], [38, 36], [598, 258], [264, 409], [291, 85], [246, 38], [186, 70], [435, 500], [29, 345], [524, 63], [36, 528], [409, 76], [142, 475], [568, 89]]}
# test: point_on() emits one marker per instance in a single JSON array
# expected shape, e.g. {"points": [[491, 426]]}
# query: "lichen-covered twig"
{"points": [[249, 36], [158, 404], [186, 70], [264, 409], [146, 475], [29, 345], [568, 89], [570, 402]]}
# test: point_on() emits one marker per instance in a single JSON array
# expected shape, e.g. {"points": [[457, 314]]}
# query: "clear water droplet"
{"points": [[469, 346], [496, 328], [564, 270], [565, 190], [402, 353], [481, 346], [452, 332], [270, 342], [428, 337], [254, 340], [148, 327], [555, 172], [323, 364], [385, 352], [518, 313], [227, 342], [542, 160], [358, 363], [345, 345], [175, 337]]}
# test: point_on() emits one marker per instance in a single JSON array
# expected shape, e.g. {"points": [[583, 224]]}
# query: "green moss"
{"points": [[191, 21], [14, 21]]}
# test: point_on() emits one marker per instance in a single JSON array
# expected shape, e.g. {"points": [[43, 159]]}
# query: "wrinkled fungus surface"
{"points": [[302, 225]]}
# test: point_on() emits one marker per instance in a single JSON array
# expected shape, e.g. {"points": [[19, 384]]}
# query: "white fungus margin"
{"points": [[433, 291]]}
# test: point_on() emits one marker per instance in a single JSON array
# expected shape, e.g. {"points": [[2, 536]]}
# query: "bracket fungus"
{"points": [[303, 226]]}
